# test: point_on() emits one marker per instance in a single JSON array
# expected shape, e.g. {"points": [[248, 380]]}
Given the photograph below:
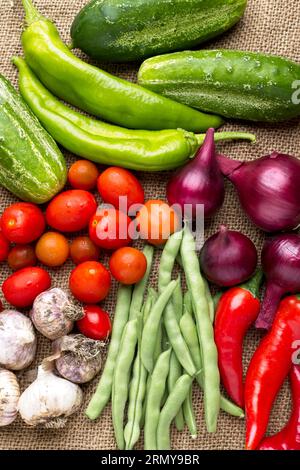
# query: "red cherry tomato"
{"points": [[83, 249], [4, 247], [116, 182], [90, 282], [109, 229], [71, 210], [128, 265], [21, 256], [95, 324], [22, 223], [21, 288], [83, 175]]}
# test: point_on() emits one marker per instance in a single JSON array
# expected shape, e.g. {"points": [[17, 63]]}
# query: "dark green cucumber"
{"points": [[233, 84], [127, 30], [31, 165]]}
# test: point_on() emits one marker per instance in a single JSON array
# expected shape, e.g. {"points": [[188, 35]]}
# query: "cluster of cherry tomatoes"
{"points": [[109, 226]]}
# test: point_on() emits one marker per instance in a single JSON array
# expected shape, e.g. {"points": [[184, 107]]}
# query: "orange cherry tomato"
{"points": [[116, 182], [109, 229], [22, 223], [21, 256], [52, 249], [156, 221], [83, 174], [90, 282], [95, 324], [83, 249], [128, 265], [71, 210]]}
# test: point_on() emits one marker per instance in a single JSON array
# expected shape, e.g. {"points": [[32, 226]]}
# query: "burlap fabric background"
{"points": [[270, 26]]}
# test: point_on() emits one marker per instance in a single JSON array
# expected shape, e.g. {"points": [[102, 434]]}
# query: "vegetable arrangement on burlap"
{"points": [[165, 340]]}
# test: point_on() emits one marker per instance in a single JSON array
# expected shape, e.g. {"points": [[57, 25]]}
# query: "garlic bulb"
{"points": [[78, 358], [17, 340], [53, 314], [9, 397], [49, 399]]}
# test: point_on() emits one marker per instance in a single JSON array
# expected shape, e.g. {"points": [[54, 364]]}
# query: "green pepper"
{"points": [[97, 92], [107, 144]]}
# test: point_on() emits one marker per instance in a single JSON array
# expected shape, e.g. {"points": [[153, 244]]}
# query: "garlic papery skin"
{"points": [[49, 399], [9, 397], [17, 340], [78, 358], [53, 313]]}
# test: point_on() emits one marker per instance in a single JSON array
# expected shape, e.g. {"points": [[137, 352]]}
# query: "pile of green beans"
{"points": [[160, 347]]}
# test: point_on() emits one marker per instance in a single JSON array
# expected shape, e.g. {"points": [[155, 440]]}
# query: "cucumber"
{"points": [[233, 84], [31, 165], [128, 30]]}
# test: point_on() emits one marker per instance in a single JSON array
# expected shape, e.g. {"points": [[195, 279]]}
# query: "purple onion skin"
{"points": [[228, 258], [199, 182], [268, 189], [281, 264]]}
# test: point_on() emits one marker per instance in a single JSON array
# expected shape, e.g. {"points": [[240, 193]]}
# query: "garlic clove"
{"points": [[9, 397], [48, 398]]}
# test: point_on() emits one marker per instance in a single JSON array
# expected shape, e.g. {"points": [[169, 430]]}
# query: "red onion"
{"points": [[268, 188], [200, 181], [228, 258], [281, 264]]}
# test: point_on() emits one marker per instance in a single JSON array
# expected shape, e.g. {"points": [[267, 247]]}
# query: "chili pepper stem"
{"points": [[253, 285], [31, 13], [270, 303], [220, 136]]}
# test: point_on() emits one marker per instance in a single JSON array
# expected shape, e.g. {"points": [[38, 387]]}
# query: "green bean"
{"points": [[189, 415], [170, 409], [210, 302], [187, 302], [103, 391], [155, 395], [189, 332], [152, 326], [139, 289], [174, 374], [121, 379], [177, 299], [167, 260], [209, 355]]}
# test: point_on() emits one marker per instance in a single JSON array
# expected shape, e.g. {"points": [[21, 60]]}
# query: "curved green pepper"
{"points": [[107, 144], [98, 92]]}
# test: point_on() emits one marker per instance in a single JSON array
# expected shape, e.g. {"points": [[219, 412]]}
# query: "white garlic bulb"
{"points": [[17, 340], [49, 399], [78, 358], [9, 397], [53, 313]]}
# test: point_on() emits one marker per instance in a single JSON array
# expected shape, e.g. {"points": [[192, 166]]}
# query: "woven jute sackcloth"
{"points": [[268, 26]]}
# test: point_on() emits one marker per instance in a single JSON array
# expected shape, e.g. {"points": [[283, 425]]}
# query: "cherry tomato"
{"points": [[128, 265], [21, 256], [22, 223], [71, 210], [52, 249], [83, 249], [116, 182], [109, 229], [83, 175], [157, 221], [90, 282], [4, 247], [22, 287], [95, 324]]}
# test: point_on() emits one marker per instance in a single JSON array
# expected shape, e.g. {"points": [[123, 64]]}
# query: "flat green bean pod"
{"points": [[103, 391], [174, 374], [139, 288], [189, 415]]}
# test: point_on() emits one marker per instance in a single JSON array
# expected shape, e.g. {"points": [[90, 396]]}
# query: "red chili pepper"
{"points": [[269, 367], [289, 437], [237, 309]]}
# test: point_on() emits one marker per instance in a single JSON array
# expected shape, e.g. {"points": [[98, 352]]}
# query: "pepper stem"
{"points": [[31, 13], [253, 285], [269, 306], [220, 136]]}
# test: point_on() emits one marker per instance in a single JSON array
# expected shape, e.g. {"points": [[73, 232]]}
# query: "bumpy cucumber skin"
{"points": [[31, 165], [127, 30], [234, 84]]}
